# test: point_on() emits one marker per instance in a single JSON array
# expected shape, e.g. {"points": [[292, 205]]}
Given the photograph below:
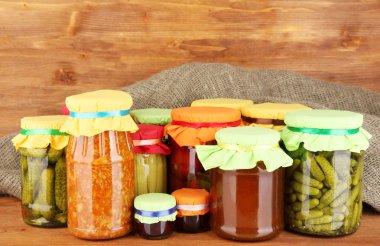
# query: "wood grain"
{"points": [[13, 231], [50, 49]]}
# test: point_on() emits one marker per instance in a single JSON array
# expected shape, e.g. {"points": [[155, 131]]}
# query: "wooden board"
{"points": [[50, 49], [13, 231]]}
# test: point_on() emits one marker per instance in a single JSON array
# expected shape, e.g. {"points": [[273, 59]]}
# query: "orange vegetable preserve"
{"points": [[100, 185]]}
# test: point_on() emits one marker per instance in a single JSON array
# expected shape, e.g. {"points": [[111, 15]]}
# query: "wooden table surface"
{"points": [[13, 231], [50, 49]]}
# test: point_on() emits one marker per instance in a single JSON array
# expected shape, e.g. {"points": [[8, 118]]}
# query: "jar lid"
{"points": [[242, 148], [154, 207], [275, 111], [192, 202], [154, 116], [197, 125], [222, 102], [40, 131], [148, 140], [325, 130], [94, 112]]}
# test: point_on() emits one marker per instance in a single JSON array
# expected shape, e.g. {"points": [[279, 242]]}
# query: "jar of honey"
{"points": [[246, 183], [100, 164]]}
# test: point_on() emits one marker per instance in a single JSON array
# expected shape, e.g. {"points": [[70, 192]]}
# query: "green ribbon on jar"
{"points": [[324, 131], [42, 132]]}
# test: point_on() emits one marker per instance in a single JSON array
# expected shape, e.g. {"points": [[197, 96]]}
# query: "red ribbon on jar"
{"points": [[148, 140], [206, 124]]}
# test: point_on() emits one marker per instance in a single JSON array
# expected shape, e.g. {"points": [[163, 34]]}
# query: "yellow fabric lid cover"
{"points": [[268, 115], [41, 131], [222, 102], [94, 112]]}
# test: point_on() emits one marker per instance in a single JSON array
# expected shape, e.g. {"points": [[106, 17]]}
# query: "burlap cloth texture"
{"points": [[181, 85]]}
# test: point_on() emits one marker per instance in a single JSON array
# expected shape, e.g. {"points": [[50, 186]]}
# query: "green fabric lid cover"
{"points": [[154, 116], [325, 130], [155, 207], [242, 147]]}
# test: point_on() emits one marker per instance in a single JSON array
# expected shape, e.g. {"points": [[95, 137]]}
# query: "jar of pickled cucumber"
{"points": [[192, 126], [100, 164], [247, 183], [150, 159], [222, 102], [43, 170], [155, 214], [193, 210], [324, 184], [268, 115]]}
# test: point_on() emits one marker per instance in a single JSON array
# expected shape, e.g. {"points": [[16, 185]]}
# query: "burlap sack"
{"points": [[180, 86]]}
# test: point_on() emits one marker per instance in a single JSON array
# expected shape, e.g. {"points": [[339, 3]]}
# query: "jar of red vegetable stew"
{"points": [[100, 164], [192, 126]]}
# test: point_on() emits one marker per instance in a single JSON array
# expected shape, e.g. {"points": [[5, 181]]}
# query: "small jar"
{"points": [[155, 214], [193, 210], [150, 159], [222, 102], [324, 184], [268, 115], [100, 165], [246, 183], [43, 166], [192, 126]]}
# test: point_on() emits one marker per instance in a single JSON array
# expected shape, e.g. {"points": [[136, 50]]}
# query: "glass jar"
{"points": [[100, 164], [193, 210], [247, 205], [43, 170], [324, 184], [150, 159], [268, 115], [246, 183], [43, 189], [185, 169], [155, 214], [324, 192], [192, 126], [100, 184]]}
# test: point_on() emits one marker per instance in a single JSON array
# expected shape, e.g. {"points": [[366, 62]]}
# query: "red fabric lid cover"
{"points": [[150, 132]]}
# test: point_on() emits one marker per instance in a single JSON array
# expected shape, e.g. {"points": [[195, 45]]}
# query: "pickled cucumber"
{"points": [[54, 155], [37, 153], [60, 184], [327, 186], [45, 202], [150, 173]]}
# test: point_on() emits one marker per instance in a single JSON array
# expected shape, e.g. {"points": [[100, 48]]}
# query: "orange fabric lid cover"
{"points": [[191, 202], [192, 126]]}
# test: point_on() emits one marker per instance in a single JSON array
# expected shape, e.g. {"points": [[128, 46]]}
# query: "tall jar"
{"points": [[100, 164], [192, 126], [222, 102], [43, 170], [150, 159], [268, 115], [247, 183], [324, 184]]}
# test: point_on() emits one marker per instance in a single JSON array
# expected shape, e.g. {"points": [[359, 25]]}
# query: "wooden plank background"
{"points": [[50, 49]]}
